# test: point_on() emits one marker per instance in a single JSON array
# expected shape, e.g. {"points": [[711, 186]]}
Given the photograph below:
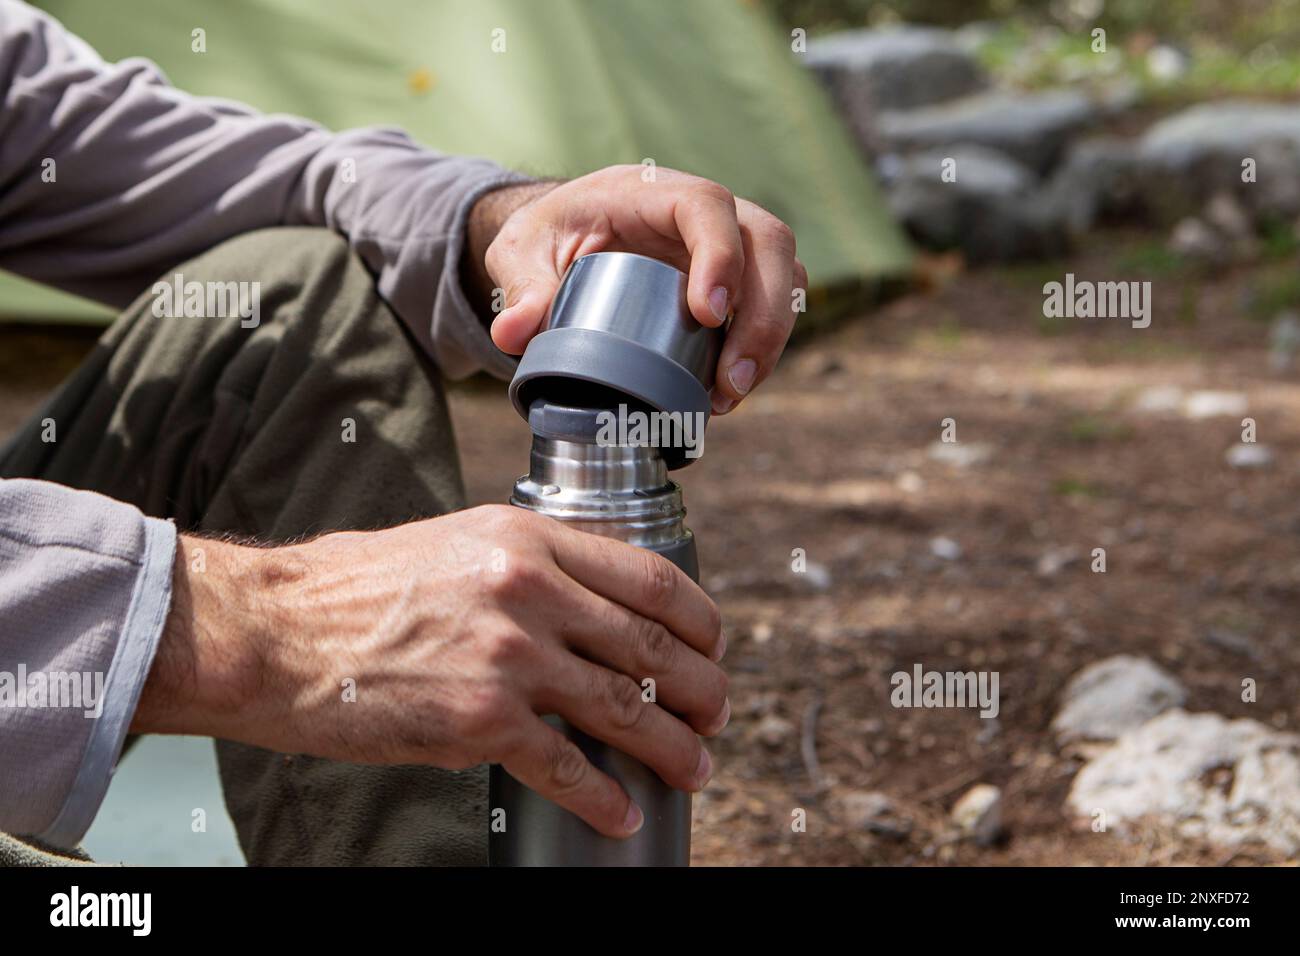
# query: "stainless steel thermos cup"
{"points": [[619, 341]]}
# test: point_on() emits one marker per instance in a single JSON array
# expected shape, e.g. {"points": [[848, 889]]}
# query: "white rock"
{"points": [[817, 576], [1113, 695], [1249, 455], [774, 730], [874, 812], [1055, 560], [910, 483], [1201, 775], [1227, 215], [945, 548], [1160, 398], [1209, 404], [1196, 240], [960, 454], [979, 813]]}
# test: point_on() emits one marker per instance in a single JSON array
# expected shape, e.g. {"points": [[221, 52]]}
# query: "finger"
{"points": [[706, 221], [612, 707], [689, 212], [641, 581], [527, 296], [685, 681], [764, 315], [554, 767], [522, 263]]}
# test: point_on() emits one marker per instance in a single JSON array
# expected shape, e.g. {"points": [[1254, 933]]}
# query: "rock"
{"points": [[1276, 190], [1030, 127], [1166, 63], [1229, 217], [1055, 560], [960, 454], [1193, 239], [816, 576], [1249, 455], [978, 814], [910, 483], [773, 730], [874, 812], [1200, 775], [895, 68], [1114, 695], [1160, 398], [1232, 642], [945, 548], [991, 210], [1097, 180], [1212, 404], [1201, 150]]}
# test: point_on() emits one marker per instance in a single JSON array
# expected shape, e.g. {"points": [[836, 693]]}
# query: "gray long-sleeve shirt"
{"points": [[143, 177]]}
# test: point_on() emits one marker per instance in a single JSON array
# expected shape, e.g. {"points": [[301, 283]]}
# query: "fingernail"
{"points": [[723, 719], [721, 649], [718, 303], [634, 820], [742, 375], [722, 404], [705, 770]]}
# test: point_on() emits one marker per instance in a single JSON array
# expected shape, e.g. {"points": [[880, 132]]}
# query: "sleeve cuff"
{"points": [[461, 341], [150, 601]]}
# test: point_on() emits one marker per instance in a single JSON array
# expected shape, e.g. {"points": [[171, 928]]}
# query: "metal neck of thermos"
{"points": [[616, 491]]}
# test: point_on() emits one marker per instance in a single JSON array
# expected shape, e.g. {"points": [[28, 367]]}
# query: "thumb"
{"points": [[528, 295]]}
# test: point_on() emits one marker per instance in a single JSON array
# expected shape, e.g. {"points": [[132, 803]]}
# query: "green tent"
{"points": [[550, 87]]}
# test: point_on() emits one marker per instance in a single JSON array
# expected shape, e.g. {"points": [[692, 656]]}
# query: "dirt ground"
{"points": [[831, 456]]}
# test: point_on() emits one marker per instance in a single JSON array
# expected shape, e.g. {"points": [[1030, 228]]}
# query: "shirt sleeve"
{"points": [[85, 586], [109, 176]]}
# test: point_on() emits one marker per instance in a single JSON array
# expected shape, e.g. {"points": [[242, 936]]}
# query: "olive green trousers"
{"points": [[324, 417]]}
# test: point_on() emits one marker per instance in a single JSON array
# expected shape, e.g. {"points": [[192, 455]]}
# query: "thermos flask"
{"points": [[619, 341]]}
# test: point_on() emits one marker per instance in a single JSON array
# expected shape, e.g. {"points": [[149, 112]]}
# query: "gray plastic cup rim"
{"points": [[620, 320]]}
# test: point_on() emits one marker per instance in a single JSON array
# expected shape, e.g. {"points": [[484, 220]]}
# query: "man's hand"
{"points": [[455, 634], [738, 256]]}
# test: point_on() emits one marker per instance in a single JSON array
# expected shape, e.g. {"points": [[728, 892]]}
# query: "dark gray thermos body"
{"points": [[619, 339]]}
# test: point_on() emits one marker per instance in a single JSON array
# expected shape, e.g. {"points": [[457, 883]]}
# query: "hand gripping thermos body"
{"points": [[619, 339]]}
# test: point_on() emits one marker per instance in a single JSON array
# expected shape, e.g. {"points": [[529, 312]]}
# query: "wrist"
{"points": [[209, 669]]}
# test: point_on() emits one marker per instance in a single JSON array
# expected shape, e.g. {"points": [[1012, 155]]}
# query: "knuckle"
{"points": [[484, 714], [508, 645], [655, 648], [705, 192], [521, 578], [565, 765], [660, 582], [780, 235], [623, 702]]}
